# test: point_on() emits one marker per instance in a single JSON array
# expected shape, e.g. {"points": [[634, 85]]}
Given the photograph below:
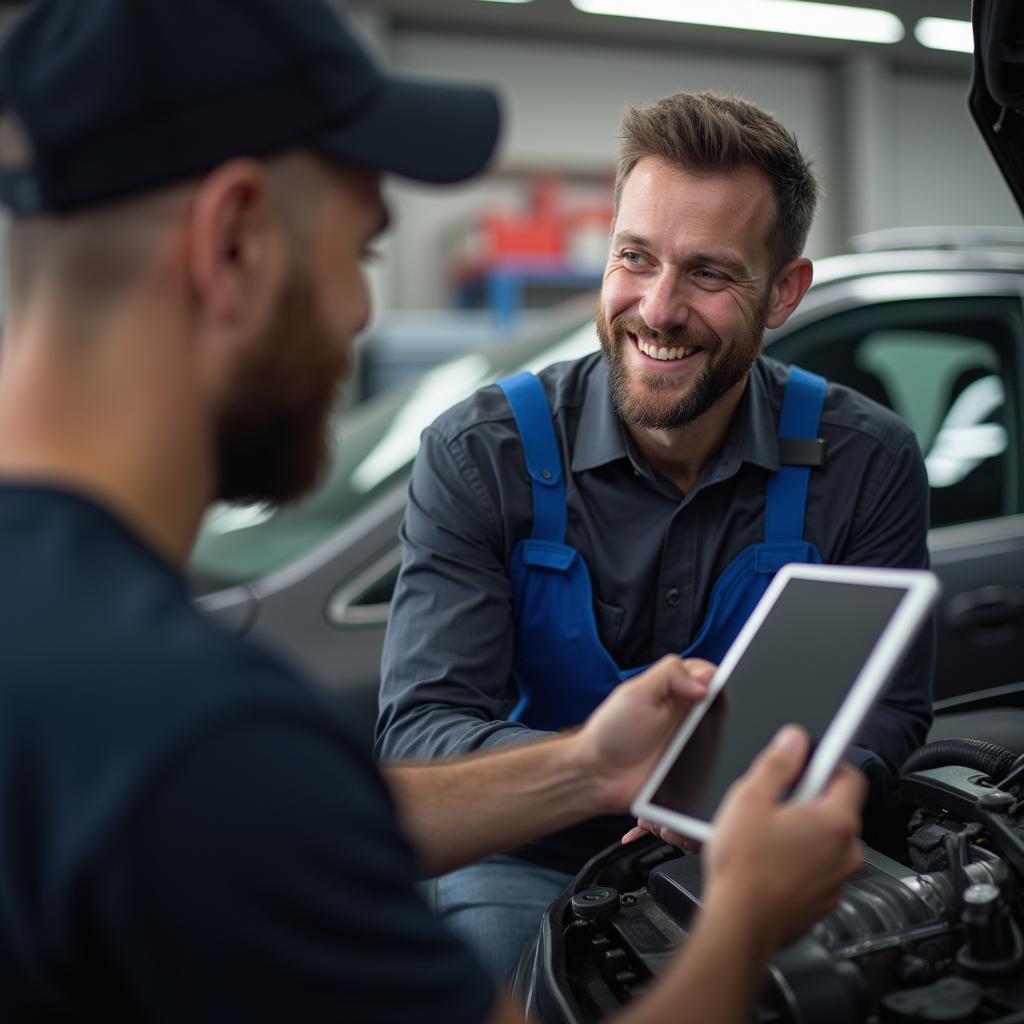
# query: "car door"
{"points": [[943, 351], [314, 580]]}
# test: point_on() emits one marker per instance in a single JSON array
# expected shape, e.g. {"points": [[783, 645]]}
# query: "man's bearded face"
{"points": [[651, 400], [272, 438]]}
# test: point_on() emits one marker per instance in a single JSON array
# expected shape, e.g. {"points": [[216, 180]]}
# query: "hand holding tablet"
{"points": [[783, 865], [818, 649]]}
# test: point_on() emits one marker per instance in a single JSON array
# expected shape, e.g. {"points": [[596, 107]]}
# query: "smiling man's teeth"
{"points": [[663, 353]]}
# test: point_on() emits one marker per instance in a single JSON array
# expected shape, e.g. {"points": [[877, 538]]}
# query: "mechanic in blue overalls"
{"points": [[562, 669], [687, 461]]}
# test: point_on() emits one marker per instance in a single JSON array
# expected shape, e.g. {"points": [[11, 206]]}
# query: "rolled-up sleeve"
{"points": [[446, 673]]}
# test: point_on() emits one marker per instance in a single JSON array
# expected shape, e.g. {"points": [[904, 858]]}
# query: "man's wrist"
{"points": [[734, 904], [596, 790]]}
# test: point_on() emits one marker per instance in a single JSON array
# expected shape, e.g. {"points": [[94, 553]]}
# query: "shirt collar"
{"points": [[753, 437], [760, 407], [600, 437]]}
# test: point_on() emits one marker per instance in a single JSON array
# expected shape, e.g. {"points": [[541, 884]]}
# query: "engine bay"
{"points": [[932, 935]]}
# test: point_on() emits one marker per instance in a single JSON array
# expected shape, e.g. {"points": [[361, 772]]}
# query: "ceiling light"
{"points": [[945, 34], [794, 17]]}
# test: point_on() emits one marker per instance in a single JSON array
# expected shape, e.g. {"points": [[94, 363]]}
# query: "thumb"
{"points": [[699, 669], [778, 765]]}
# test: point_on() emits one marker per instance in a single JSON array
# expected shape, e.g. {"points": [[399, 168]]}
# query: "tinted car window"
{"points": [[947, 368]]}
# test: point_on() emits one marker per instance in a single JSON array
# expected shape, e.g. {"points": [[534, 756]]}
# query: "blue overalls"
{"points": [[562, 669]]}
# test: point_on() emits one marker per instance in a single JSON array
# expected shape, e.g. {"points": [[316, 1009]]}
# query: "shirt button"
{"points": [[673, 597]]}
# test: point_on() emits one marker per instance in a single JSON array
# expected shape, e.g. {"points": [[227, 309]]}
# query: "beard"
{"points": [[272, 438], [647, 399]]}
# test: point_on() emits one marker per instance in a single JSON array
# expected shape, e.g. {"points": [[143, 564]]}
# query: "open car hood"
{"points": [[997, 85]]}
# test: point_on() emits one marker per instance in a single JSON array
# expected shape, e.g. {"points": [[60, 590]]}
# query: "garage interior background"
{"points": [[886, 124]]}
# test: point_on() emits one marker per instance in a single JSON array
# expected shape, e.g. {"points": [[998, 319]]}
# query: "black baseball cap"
{"points": [[117, 97]]}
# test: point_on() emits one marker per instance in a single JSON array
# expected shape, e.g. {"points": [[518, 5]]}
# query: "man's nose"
{"points": [[663, 305]]}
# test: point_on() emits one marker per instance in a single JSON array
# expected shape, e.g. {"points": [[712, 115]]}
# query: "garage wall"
{"points": [[562, 106], [893, 148], [942, 172]]}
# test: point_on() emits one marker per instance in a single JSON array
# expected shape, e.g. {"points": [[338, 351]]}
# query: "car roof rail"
{"points": [[952, 237]]}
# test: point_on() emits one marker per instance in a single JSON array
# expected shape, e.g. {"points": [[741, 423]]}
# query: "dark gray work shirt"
{"points": [[653, 552]]}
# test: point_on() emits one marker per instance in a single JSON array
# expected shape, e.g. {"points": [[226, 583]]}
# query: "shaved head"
{"points": [[90, 259], [285, 346]]}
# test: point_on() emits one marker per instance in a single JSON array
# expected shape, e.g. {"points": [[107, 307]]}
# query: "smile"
{"points": [[663, 353]]}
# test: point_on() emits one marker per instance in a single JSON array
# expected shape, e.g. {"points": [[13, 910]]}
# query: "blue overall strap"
{"points": [[787, 488], [525, 395]]}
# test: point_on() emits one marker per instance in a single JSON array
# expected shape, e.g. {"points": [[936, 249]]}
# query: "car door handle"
{"points": [[994, 608]]}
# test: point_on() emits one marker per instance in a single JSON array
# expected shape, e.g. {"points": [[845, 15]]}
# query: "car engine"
{"points": [[935, 935]]}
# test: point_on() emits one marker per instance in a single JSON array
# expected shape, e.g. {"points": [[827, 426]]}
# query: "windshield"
{"points": [[374, 444]]}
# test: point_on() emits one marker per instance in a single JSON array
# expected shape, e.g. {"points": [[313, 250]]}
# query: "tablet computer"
{"points": [[818, 649]]}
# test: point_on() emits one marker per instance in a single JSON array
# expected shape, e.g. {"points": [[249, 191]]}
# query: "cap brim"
{"points": [[421, 130]]}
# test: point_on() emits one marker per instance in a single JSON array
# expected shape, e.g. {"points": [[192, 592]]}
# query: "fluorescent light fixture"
{"points": [[945, 34], [793, 17]]}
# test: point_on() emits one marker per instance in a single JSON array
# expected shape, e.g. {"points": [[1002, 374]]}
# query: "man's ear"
{"points": [[236, 248], [788, 288]]}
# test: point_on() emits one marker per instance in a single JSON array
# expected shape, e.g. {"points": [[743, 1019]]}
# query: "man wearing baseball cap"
{"points": [[186, 833]]}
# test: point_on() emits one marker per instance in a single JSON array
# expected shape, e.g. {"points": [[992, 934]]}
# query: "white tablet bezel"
{"points": [[921, 590]]}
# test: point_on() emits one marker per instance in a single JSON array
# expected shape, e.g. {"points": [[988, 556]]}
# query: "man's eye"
{"points": [[707, 276], [632, 257]]}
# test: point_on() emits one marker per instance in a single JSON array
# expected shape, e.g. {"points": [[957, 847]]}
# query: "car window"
{"points": [[947, 368], [373, 445]]}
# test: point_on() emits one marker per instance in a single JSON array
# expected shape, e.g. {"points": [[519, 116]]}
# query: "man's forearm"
{"points": [[716, 979], [460, 810]]}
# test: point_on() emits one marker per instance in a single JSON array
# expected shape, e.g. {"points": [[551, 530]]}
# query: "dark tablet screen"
{"points": [[798, 667]]}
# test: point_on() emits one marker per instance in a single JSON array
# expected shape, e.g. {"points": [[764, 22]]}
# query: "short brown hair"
{"points": [[705, 133]]}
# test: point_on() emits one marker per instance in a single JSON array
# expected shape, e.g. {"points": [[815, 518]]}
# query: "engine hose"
{"points": [[990, 758]]}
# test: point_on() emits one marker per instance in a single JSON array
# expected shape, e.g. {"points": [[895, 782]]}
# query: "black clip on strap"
{"points": [[802, 451]]}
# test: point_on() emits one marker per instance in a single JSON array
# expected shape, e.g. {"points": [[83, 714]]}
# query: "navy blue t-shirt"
{"points": [[186, 832]]}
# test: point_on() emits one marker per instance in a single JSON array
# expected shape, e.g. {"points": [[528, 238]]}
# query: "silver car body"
{"points": [[930, 322]]}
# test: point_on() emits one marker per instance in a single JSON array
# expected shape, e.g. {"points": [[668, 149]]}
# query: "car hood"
{"points": [[997, 85]]}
